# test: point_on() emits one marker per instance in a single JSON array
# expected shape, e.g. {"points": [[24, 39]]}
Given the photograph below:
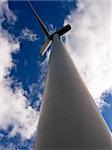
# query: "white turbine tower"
{"points": [[69, 118]]}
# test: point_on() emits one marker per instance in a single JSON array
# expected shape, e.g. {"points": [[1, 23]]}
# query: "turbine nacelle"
{"points": [[49, 39]]}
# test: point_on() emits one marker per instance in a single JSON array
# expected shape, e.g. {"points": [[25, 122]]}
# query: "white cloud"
{"points": [[15, 109], [9, 147], [27, 34], [51, 29], [90, 44], [44, 69], [6, 13]]}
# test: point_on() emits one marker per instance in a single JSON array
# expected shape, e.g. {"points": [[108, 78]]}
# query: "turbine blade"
{"points": [[39, 20], [45, 46]]}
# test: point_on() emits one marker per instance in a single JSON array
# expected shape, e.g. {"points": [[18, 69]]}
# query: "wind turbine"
{"points": [[49, 37], [69, 118]]}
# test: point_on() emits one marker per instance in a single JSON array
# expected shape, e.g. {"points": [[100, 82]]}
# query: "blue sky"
{"points": [[24, 71]]}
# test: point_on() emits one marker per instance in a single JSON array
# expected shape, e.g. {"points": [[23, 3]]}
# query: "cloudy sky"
{"points": [[23, 71]]}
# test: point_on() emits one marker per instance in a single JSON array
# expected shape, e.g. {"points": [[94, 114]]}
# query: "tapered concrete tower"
{"points": [[69, 118]]}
